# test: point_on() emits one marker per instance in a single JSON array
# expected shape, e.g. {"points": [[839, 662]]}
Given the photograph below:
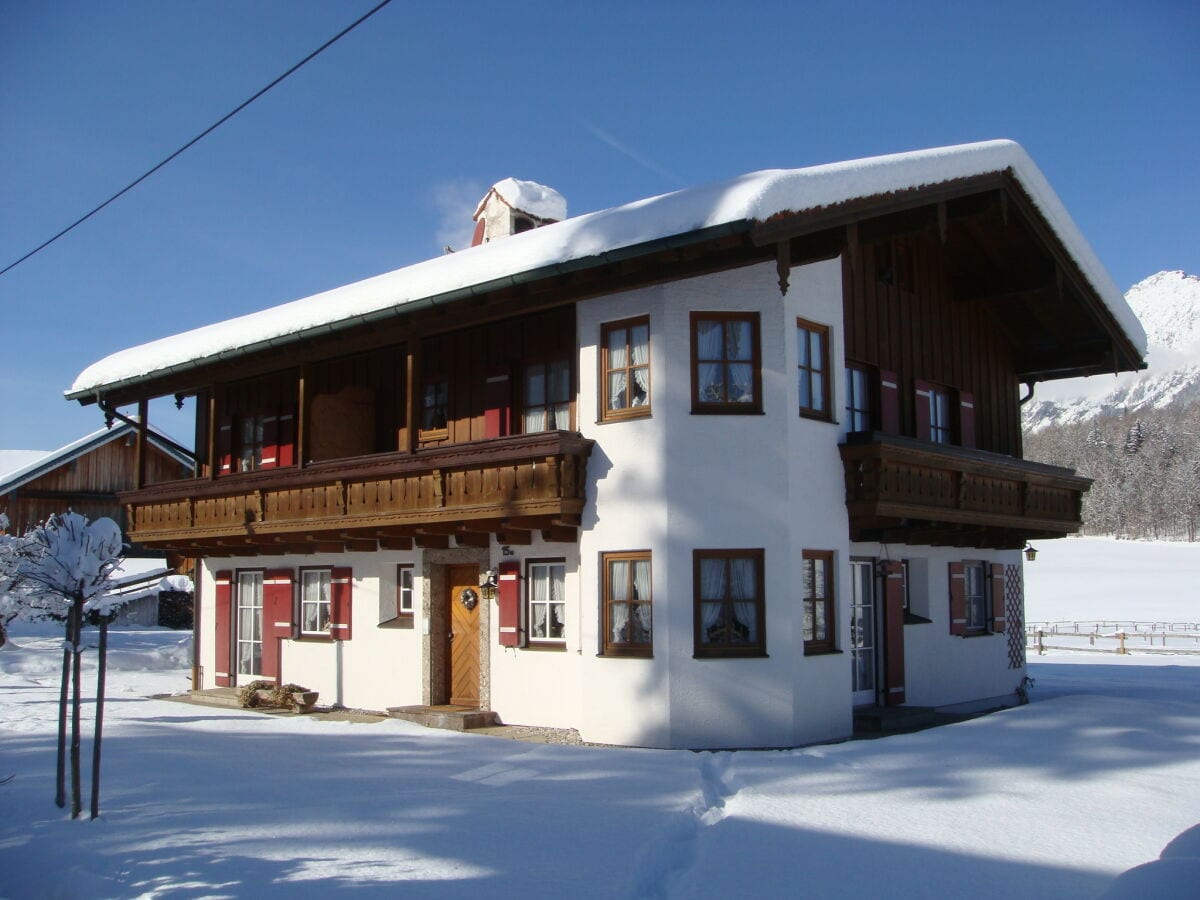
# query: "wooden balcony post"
{"points": [[139, 465], [213, 425], [302, 385], [412, 371]]}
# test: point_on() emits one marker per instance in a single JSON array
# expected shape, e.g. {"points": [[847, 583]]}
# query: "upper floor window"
{"points": [[435, 405], [858, 398], [545, 612], [315, 590], [250, 436], [728, 603], [812, 355], [940, 424], [625, 369], [546, 397], [818, 601], [628, 608], [726, 363]]}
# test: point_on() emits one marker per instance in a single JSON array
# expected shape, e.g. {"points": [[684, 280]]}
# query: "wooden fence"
{"points": [[1114, 636]]}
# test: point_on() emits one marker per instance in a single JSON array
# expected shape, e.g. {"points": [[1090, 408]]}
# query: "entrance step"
{"points": [[878, 720], [451, 718], [221, 696]]}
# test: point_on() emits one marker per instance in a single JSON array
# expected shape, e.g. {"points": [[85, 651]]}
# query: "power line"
{"points": [[211, 128]]}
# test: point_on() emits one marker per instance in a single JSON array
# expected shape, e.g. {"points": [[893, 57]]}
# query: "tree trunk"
{"points": [[101, 662], [69, 640], [76, 792]]}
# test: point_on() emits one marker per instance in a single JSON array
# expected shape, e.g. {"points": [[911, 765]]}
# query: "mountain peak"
{"points": [[1168, 303]]}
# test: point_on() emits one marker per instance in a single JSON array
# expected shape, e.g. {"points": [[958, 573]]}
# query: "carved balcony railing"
{"points": [[509, 487], [907, 491]]}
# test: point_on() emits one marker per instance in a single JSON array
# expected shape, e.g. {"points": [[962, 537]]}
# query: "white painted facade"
{"points": [[672, 483]]}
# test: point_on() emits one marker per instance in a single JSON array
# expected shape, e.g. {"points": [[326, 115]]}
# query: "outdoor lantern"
{"points": [[487, 585], [1030, 553]]}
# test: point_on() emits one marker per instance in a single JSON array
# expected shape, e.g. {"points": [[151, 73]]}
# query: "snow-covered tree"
{"points": [[64, 569]]}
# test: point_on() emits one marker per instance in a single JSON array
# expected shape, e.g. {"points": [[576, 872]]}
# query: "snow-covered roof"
{"points": [[529, 197], [754, 197], [38, 462], [13, 461]]}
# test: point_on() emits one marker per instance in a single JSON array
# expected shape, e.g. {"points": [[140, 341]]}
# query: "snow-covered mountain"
{"points": [[1168, 305]]}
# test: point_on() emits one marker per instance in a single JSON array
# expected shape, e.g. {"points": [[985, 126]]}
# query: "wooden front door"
{"points": [[463, 650]]}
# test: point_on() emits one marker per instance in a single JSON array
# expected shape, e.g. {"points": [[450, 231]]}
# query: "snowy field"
{"points": [[1055, 799]]}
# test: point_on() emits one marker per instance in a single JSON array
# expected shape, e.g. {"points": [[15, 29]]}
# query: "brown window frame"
{"points": [[609, 647], [730, 649], [825, 411], [440, 432], [546, 643], [983, 625], [870, 378], [607, 413], [546, 405], [727, 407], [813, 646]]}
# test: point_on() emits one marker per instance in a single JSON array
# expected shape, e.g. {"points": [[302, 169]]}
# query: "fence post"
{"points": [[1041, 650], [1121, 637]]}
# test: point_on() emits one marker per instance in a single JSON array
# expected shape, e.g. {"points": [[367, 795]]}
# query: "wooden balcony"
{"points": [[901, 490], [510, 487]]}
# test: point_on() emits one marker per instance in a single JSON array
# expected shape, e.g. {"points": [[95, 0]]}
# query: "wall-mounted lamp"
{"points": [[1030, 552], [487, 585]]}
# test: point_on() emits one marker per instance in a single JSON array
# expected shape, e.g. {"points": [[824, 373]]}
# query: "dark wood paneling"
{"points": [[924, 334]]}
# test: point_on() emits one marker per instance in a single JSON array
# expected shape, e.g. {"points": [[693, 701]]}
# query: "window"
{"points": [[812, 356], [404, 589], [547, 397], [627, 626], [545, 611], [625, 369], [315, 586], [728, 603], [726, 363], [940, 425], [249, 622], [435, 405], [858, 398], [819, 607], [976, 595], [250, 434]]}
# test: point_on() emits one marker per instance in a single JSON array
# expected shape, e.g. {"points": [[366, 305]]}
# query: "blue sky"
{"points": [[371, 157]]}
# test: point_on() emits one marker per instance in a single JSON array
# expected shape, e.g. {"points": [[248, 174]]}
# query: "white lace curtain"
{"points": [[629, 352], [725, 353], [728, 591]]}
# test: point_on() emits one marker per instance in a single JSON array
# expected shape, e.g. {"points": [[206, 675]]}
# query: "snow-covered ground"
{"points": [[1055, 799]]}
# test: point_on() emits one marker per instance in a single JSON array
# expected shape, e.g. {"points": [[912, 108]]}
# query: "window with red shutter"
{"points": [[341, 612], [958, 599], [999, 617]]}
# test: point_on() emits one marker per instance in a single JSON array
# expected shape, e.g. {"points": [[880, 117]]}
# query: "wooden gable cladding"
{"points": [[900, 490], [901, 317], [507, 486]]}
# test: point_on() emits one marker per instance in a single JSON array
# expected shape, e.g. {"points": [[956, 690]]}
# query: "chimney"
{"points": [[512, 206]]}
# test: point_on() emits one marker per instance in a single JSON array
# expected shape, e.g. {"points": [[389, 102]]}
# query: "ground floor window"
{"points": [[249, 622], [817, 584], [628, 604], [315, 586], [976, 595], [546, 601], [729, 607]]}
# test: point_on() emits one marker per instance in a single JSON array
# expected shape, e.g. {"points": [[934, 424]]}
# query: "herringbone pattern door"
{"points": [[464, 635]]}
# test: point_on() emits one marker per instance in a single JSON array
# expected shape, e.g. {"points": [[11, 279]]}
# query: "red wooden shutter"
{"points": [[921, 407], [509, 595], [477, 237], [999, 620], [223, 639], [497, 413], [225, 445], [958, 599], [270, 445], [287, 439], [341, 610], [893, 623], [277, 619], [889, 402], [966, 419]]}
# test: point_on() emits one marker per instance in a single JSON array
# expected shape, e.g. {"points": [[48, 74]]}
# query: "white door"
{"points": [[249, 623], [863, 631]]}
